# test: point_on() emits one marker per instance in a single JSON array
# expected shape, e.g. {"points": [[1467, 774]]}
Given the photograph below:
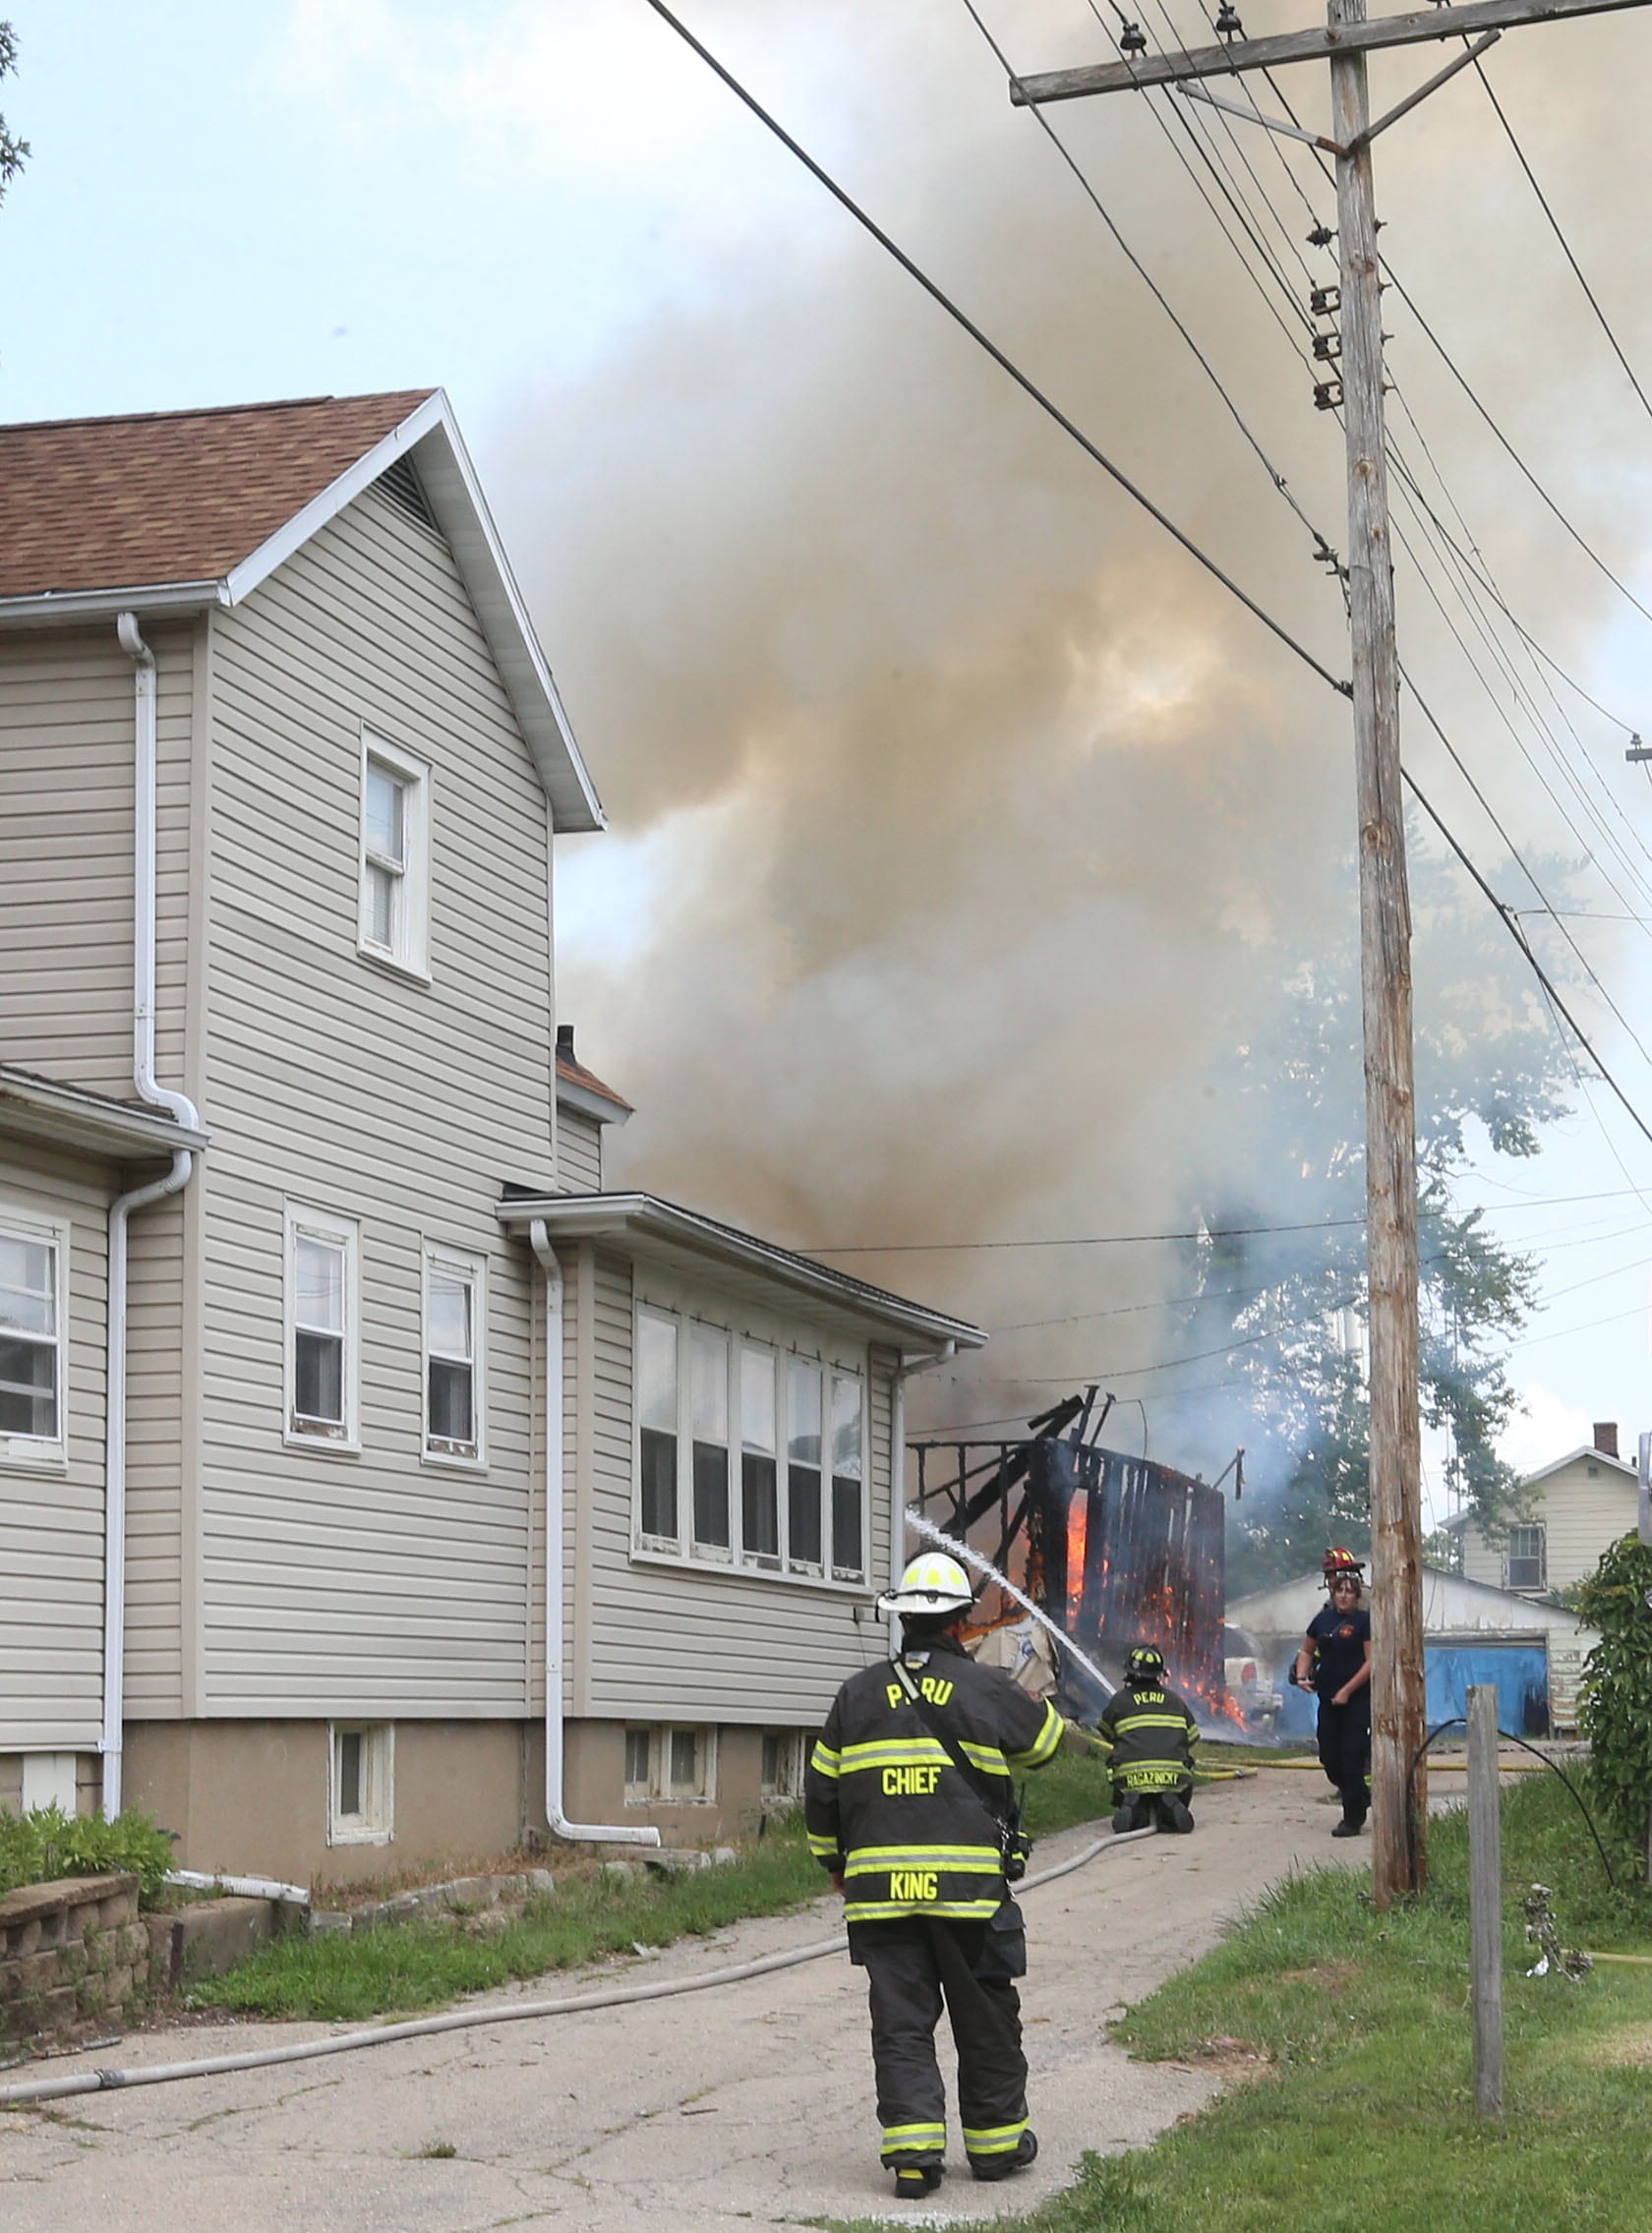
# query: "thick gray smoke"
{"points": [[979, 817]]}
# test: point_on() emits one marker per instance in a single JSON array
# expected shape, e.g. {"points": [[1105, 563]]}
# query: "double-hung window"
{"points": [[34, 1266], [1527, 1560], [455, 1325], [322, 1312], [394, 857], [747, 1455], [708, 1403]]}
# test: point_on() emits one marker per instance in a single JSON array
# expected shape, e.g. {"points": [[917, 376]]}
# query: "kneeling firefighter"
{"points": [[1153, 1736], [910, 1804]]}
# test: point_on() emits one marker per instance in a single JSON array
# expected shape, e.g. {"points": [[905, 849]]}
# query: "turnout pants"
{"points": [[1345, 1751], [915, 1965]]}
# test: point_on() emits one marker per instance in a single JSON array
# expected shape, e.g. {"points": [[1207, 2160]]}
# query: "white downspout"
{"points": [[907, 1370], [631, 1833], [183, 1163]]}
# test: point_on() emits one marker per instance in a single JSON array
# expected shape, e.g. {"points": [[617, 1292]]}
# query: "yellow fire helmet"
{"points": [[931, 1583]]}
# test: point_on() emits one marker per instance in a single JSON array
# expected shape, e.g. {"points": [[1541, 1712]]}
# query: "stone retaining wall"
{"points": [[73, 1957]]}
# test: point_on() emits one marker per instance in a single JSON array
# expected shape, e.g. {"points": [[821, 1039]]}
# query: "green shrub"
{"points": [[45, 1845], [1614, 1712]]}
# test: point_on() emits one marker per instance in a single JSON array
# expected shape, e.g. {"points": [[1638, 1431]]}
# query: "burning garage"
{"points": [[1114, 1550]]}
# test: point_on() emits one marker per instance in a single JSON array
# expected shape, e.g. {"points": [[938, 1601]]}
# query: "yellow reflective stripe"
{"points": [[823, 1760], [998, 2140], [913, 2132], [1150, 1720], [892, 1752], [821, 1848], [987, 1756], [897, 1855], [955, 1911], [1043, 1745]]}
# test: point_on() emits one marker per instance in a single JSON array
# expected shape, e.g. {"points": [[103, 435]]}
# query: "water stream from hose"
{"points": [[915, 1520]]}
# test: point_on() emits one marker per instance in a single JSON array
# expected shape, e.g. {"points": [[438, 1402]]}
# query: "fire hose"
{"points": [[459, 2020]]}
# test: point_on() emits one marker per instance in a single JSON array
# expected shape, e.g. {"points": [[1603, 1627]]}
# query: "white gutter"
{"points": [[631, 1833], [178, 1106], [907, 1370]]}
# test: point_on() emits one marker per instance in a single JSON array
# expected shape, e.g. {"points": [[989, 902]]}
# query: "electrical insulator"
{"points": [[1325, 302], [1133, 40], [1327, 395], [1328, 347], [1228, 26], [1322, 236]]}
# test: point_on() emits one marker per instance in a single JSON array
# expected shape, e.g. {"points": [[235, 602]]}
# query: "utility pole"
{"points": [[1399, 1811]]}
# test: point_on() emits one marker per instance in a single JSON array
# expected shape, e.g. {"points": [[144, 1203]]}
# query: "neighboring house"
{"points": [[1572, 1512], [337, 1403], [1472, 1632]]}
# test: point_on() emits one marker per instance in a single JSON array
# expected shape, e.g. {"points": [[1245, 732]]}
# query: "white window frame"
{"points": [[337, 1232], [375, 1823], [408, 951], [45, 1453], [790, 1783], [1540, 1529], [683, 1551], [660, 1788], [472, 1456]]}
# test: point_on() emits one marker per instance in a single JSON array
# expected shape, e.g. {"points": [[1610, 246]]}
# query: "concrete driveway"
{"points": [[749, 2105]]}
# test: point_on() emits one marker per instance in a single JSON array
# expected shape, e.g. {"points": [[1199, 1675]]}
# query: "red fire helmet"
{"points": [[1337, 1560]]}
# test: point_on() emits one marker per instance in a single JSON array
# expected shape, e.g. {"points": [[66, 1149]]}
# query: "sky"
{"points": [[958, 822]]}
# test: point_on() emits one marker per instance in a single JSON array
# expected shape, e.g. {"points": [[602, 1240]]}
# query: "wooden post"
{"points": [[1396, 1652], [1485, 1897]]}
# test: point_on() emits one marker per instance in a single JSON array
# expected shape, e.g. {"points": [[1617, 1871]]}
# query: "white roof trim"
{"points": [[1588, 1450], [461, 511], [101, 604], [597, 1105], [43, 1109], [594, 1216]]}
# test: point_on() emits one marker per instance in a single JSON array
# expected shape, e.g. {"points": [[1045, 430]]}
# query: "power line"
{"points": [[1004, 363], [1565, 245]]}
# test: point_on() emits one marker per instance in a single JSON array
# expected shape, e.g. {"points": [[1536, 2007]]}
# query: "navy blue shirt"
{"points": [[1338, 1640]]}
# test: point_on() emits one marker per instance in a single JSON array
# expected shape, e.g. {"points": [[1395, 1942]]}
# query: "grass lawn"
{"points": [[428, 1963], [1349, 2035]]}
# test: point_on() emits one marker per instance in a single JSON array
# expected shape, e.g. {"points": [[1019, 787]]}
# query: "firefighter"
{"points": [[1152, 1734], [1334, 1660], [906, 1799]]}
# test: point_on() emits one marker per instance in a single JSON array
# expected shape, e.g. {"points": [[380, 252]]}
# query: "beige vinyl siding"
{"points": [[67, 742], [1583, 1511], [155, 1485], [678, 1643], [51, 1522], [578, 1151], [376, 1584]]}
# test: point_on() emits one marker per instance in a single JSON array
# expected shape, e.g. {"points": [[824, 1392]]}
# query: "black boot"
{"points": [[1131, 1813], [1006, 2167], [1176, 1814], [913, 2181]]}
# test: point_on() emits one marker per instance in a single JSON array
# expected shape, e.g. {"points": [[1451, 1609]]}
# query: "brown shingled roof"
{"points": [[175, 496], [577, 1074]]}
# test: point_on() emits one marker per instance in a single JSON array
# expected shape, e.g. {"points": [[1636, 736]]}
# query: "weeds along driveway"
{"points": [[749, 2105]]}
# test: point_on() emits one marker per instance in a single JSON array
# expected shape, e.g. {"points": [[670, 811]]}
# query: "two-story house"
{"points": [[373, 1486], [1574, 1508]]}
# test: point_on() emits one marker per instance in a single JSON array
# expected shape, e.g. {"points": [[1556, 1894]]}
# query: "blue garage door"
{"points": [[1521, 1672]]}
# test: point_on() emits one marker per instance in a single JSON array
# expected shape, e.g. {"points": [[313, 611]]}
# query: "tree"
{"points": [[13, 153], [1615, 1705], [1292, 1304]]}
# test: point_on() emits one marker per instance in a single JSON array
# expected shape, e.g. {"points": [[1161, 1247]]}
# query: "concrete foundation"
{"points": [[251, 1798]]}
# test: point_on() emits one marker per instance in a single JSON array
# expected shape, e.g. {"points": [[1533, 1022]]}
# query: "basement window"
{"points": [[783, 1764], [666, 1762], [361, 1795]]}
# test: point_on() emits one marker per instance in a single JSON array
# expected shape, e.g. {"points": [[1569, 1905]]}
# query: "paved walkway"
{"points": [[709, 2114]]}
